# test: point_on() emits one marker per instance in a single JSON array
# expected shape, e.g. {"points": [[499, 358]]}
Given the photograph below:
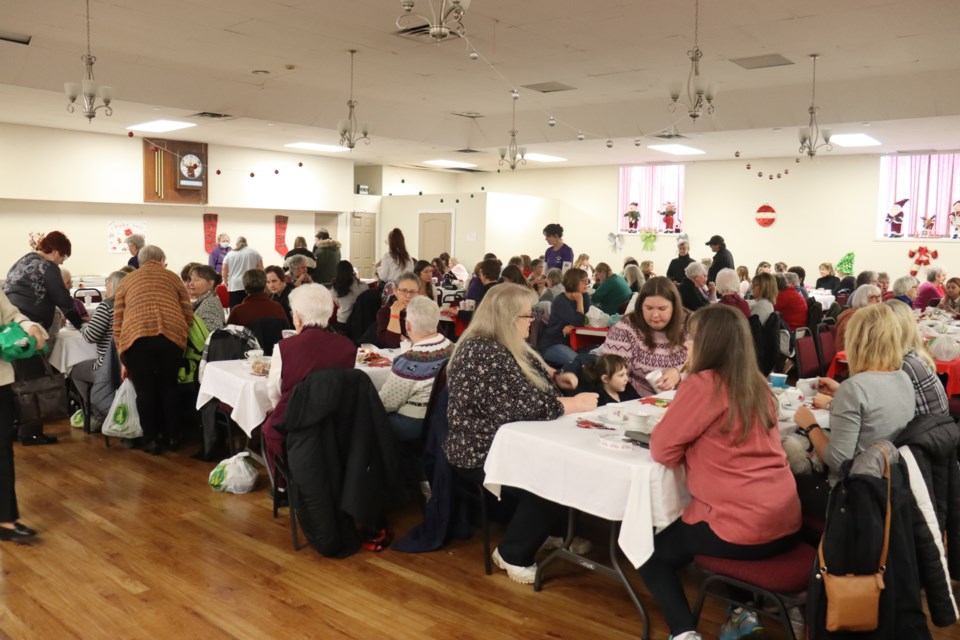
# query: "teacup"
{"points": [[791, 399], [253, 354], [808, 387]]}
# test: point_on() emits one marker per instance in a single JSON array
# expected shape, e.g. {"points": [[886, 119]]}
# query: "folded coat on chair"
{"points": [[342, 456]]}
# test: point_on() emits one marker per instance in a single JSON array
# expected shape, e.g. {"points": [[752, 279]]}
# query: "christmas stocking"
{"points": [[280, 242], [209, 231]]}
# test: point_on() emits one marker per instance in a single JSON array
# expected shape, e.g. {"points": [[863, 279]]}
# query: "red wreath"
{"points": [[921, 257]]}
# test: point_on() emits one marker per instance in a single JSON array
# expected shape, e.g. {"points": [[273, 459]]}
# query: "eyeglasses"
{"points": [[526, 316], [875, 298], [409, 292]]}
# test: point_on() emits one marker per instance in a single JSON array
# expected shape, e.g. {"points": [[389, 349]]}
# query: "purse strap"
{"points": [[886, 523]]}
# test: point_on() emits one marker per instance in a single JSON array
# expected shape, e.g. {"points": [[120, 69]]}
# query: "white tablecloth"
{"points": [[823, 297], [565, 464], [231, 381], [70, 349]]}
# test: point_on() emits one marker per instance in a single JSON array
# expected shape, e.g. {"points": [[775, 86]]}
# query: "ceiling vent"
{"points": [[670, 134], [549, 87], [467, 150], [762, 62], [209, 115], [15, 38], [473, 115]]}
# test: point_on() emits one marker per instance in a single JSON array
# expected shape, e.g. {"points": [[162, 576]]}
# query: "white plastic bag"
{"points": [[944, 348], [236, 474], [596, 318], [123, 421]]}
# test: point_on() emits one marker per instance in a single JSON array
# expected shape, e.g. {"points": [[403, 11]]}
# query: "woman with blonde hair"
{"points": [[583, 262], [918, 363], [875, 403], [634, 277], [765, 292], [646, 268], [828, 278], [745, 284], [494, 378]]}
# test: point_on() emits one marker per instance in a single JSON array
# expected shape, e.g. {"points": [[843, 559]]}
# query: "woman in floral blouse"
{"points": [[651, 337], [494, 378]]}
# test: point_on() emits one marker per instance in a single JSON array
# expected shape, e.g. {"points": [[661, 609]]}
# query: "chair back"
{"points": [[827, 339], [934, 302], [834, 311], [224, 295], [765, 345], [89, 296], [268, 331], [814, 315], [808, 360], [364, 314], [843, 296], [541, 316]]}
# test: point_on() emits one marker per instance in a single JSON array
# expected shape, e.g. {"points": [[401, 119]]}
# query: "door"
{"points": [[435, 234], [363, 242]]}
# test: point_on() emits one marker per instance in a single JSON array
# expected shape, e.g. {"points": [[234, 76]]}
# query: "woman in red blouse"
{"points": [[722, 426]]}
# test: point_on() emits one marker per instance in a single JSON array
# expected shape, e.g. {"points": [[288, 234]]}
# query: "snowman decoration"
{"points": [[633, 217]]}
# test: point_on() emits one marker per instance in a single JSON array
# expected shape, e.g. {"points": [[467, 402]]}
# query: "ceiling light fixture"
{"points": [[446, 20], [854, 140], [315, 146], [160, 126], [810, 138], [676, 149], [450, 164], [88, 86], [348, 128], [513, 155], [543, 157], [700, 95]]}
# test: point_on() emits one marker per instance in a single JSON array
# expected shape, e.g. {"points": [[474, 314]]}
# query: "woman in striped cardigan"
{"points": [[98, 331]]}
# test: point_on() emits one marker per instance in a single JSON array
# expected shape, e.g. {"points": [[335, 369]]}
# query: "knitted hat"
{"points": [[846, 264]]}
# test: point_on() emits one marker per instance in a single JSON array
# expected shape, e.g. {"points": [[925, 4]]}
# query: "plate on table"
{"points": [[617, 418]]}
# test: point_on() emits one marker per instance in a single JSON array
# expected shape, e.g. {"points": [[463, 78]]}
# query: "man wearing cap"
{"points": [[326, 251], [722, 258]]}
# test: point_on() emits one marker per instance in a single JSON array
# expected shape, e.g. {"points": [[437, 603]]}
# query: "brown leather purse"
{"points": [[853, 601]]}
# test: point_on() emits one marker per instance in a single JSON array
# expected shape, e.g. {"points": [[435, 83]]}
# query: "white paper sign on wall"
{"points": [[118, 231]]}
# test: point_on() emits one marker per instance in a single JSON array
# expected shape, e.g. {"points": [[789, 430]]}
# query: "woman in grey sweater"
{"points": [[875, 403]]}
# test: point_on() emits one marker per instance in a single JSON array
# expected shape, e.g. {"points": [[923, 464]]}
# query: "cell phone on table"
{"points": [[638, 437]]}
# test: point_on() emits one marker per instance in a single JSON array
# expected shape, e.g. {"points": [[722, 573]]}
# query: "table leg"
{"points": [[613, 571]]}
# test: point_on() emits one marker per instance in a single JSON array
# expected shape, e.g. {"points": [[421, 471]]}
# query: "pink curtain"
{"points": [[651, 187], [932, 185]]}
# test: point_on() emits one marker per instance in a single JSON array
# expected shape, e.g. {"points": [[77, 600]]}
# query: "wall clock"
{"points": [[191, 172]]}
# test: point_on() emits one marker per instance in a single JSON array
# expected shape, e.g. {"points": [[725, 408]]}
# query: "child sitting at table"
{"points": [[610, 378]]}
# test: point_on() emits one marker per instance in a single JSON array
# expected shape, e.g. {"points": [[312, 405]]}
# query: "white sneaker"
{"points": [[687, 635], [578, 545], [523, 575]]}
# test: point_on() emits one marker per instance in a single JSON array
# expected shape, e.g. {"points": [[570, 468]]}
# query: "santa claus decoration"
{"points": [[669, 214], [895, 219]]}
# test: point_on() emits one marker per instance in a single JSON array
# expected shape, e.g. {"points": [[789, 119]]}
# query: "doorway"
{"points": [[363, 242], [435, 234]]}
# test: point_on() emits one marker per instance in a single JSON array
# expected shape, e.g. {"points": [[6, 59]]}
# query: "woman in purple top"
{"points": [[559, 255], [218, 254]]}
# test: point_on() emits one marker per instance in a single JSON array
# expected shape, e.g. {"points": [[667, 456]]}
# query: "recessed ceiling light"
{"points": [[854, 140], [676, 149], [260, 72], [161, 126], [542, 157], [313, 146], [450, 164]]}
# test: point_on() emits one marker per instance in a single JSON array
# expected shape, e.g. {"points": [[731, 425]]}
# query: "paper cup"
{"points": [[654, 376], [778, 380]]}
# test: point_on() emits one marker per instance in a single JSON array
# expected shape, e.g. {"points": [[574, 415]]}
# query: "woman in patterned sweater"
{"points": [[651, 337], [495, 378], [407, 390]]}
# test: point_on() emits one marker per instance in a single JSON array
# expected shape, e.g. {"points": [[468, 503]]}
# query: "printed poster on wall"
{"points": [[117, 232]]}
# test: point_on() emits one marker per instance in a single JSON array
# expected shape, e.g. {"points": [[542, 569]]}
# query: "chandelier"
{"points": [[348, 128], [513, 155], [89, 86], [810, 139], [699, 96], [444, 21]]}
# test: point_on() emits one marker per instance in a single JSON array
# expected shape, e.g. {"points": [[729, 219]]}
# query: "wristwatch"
{"points": [[806, 432]]}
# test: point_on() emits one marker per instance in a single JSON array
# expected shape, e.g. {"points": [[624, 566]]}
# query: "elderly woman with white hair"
{"points": [[864, 295], [905, 289], [728, 288], [931, 289], [135, 242], [694, 291], [407, 390], [313, 348]]}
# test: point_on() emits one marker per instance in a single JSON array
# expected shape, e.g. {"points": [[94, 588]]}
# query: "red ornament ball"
{"points": [[129, 134], [736, 155], [770, 176], [797, 160], [251, 174], [276, 171], [749, 166], [218, 171], [786, 171], [779, 176], [299, 164], [759, 174]]}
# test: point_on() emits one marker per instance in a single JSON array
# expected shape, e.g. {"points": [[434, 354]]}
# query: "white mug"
{"points": [[253, 353]]}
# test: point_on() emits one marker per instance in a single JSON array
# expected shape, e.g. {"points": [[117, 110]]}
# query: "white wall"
{"points": [[512, 220], [469, 222], [404, 181]]}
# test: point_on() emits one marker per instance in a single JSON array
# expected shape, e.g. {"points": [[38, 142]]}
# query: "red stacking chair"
{"points": [[224, 295], [808, 360], [826, 337]]}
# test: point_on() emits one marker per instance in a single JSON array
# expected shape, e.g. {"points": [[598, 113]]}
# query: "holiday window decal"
{"points": [[118, 231]]}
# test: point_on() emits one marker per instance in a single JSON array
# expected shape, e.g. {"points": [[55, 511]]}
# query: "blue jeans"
{"points": [[404, 427], [559, 354]]}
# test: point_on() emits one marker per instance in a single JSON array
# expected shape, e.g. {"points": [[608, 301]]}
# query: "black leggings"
{"points": [[8, 491], [152, 365], [674, 547]]}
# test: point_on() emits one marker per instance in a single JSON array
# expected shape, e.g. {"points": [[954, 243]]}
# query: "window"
{"points": [[652, 188], [919, 196]]}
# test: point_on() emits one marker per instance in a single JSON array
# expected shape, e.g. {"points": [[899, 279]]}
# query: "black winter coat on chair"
{"points": [[342, 458]]}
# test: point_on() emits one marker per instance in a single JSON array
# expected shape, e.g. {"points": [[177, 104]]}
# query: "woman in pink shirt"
{"points": [[722, 426]]}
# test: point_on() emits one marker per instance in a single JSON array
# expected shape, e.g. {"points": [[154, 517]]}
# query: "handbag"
{"points": [[853, 601], [42, 398], [15, 343]]}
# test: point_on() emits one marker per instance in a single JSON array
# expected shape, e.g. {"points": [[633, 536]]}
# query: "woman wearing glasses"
{"points": [[495, 378], [864, 295], [392, 318]]}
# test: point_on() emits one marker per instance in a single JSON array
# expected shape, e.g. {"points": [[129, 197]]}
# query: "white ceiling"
{"points": [[888, 68]]}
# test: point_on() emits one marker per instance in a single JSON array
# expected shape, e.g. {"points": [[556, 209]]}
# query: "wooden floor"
{"points": [[134, 546]]}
